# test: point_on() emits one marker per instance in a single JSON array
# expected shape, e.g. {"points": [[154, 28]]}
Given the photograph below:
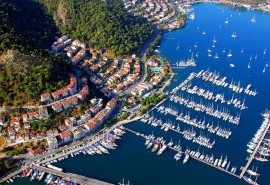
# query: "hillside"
{"points": [[24, 77], [100, 25], [26, 27]]}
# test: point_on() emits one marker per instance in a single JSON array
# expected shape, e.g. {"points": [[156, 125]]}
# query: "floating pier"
{"points": [[82, 180], [250, 159], [217, 167]]}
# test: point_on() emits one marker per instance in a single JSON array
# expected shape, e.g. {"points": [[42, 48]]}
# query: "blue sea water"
{"points": [[133, 162]]}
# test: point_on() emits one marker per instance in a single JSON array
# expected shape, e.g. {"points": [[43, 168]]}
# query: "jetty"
{"points": [[82, 180], [250, 159], [198, 159]]}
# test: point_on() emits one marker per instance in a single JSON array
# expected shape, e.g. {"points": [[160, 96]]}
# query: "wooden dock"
{"points": [[205, 162], [250, 159], [79, 179]]}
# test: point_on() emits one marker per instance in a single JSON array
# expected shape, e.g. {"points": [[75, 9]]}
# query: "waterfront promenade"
{"points": [[78, 179], [250, 159]]}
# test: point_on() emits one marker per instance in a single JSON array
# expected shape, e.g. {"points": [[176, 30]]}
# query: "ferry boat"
{"points": [[186, 158]]}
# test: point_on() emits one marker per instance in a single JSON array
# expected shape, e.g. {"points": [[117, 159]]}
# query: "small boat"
{"points": [[216, 56], [192, 16], [233, 35], [186, 158], [227, 21], [264, 52], [122, 182], [232, 65], [224, 50], [177, 48], [264, 69], [242, 51], [249, 180], [249, 65], [253, 19], [250, 57], [204, 32], [229, 54]]}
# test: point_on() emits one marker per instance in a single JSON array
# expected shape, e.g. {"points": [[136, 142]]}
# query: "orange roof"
{"points": [[56, 106], [65, 134], [60, 91], [45, 95], [14, 120], [35, 151], [70, 100]]}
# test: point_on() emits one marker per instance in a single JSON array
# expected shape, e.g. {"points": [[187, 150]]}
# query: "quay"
{"points": [[244, 169], [200, 160], [79, 179]]}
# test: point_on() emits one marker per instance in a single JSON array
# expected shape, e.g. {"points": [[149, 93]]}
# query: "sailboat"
{"points": [[204, 32], [250, 57], [177, 47], [242, 51], [249, 65], [227, 21], [253, 19], [264, 52], [254, 173], [213, 45], [224, 50], [234, 35], [122, 182], [264, 69], [214, 40], [229, 54], [232, 65], [216, 56], [256, 56]]}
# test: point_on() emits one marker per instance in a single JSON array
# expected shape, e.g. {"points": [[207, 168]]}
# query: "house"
{"points": [[66, 136], [93, 101], [61, 93], [78, 133], [35, 151], [14, 120], [57, 107], [131, 99], [33, 115], [52, 142], [83, 93], [72, 87], [17, 127], [70, 102], [70, 122], [25, 117], [111, 104], [26, 126], [91, 124], [43, 112], [45, 97], [95, 109], [78, 57]]}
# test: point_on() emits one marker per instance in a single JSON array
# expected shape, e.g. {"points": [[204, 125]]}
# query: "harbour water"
{"points": [[132, 161]]}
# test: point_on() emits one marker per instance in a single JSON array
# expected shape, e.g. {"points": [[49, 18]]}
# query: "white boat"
{"points": [[216, 56], [264, 69], [242, 50], [204, 32], [177, 48], [233, 35], [229, 54], [214, 40], [192, 16], [227, 21], [251, 172], [250, 57], [232, 65], [264, 52], [253, 19], [186, 158]]}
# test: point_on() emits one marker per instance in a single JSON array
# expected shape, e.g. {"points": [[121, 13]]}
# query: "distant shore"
{"points": [[265, 6]]}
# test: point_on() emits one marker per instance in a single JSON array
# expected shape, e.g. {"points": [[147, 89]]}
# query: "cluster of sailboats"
{"points": [[221, 113], [215, 79], [201, 139], [190, 62], [264, 149], [208, 95], [158, 144]]}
